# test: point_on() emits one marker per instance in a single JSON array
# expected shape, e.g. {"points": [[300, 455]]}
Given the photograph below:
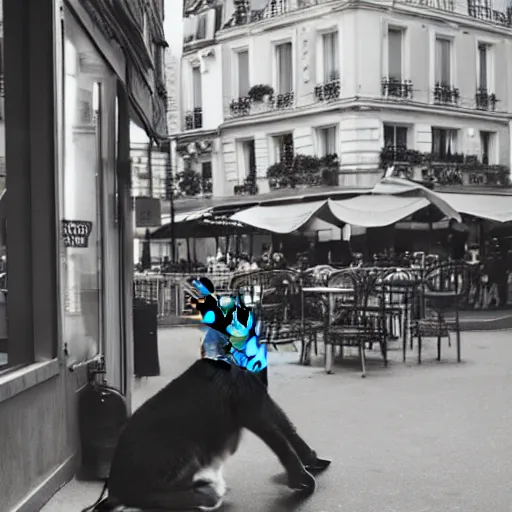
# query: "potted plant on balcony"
{"points": [[306, 170], [278, 176], [260, 95]]}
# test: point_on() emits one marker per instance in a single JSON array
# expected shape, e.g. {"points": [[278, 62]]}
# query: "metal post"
{"points": [[150, 166], [170, 181]]}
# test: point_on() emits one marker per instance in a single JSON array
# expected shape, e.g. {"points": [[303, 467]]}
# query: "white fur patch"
{"points": [[213, 474]]}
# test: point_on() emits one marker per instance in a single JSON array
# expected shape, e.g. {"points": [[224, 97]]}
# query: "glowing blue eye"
{"points": [[209, 317]]}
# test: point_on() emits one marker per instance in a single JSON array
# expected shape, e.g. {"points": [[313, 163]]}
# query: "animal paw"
{"points": [[317, 465], [302, 482]]}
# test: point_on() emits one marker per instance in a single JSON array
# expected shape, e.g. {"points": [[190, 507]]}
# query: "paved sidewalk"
{"points": [[429, 438]]}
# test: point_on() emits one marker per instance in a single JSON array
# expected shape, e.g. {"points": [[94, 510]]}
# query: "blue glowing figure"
{"points": [[233, 334]]}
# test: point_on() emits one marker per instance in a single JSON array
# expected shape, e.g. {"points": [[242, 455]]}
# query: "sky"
{"points": [[173, 35]]}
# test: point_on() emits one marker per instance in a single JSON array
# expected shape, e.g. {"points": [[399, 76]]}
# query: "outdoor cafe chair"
{"points": [[359, 320], [443, 289]]}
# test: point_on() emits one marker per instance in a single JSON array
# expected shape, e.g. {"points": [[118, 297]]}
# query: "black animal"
{"points": [[171, 452]]}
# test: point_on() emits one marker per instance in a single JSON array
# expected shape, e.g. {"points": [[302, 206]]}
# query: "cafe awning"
{"points": [[282, 219], [375, 211], [485, 206]]}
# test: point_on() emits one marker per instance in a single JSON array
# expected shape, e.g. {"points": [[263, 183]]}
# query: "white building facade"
{"points": [[346, 78]]}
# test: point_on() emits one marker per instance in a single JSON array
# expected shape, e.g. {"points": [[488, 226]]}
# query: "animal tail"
{"points": [[91, 508]]}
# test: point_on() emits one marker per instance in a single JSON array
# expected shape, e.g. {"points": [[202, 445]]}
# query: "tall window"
{"points": [[243, 73], [395, 53], [284, 65], [327, 138], [249, 157], [484, 51], [284, 151], [197, 88], [206, 177], [443, 73], [395, 136], [487, 140], [330, 56], [444, 142]]}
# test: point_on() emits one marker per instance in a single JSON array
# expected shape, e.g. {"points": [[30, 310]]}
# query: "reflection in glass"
{"points": [[4, 359], [81, 186]]}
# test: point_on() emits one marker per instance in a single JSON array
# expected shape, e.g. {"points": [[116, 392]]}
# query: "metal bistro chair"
{"points": [[314, 311], [361, 321], [400, 286], [442, 290]]}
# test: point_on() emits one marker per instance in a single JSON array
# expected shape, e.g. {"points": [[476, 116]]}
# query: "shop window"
{"points": [[88, 81]]}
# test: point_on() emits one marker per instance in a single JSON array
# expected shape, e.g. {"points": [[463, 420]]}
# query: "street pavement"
{"points": [[408, 438]]}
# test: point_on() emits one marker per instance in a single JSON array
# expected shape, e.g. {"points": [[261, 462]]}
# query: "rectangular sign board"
{"points": [[148, 212]]}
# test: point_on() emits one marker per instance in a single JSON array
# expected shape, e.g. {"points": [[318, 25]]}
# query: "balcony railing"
{"points": [[445, 94], [304, 171], [396, 88], [328, 91], [483, 10], [245, 106], [445, 170], [244, 14], [484, 100], [194, 119]]}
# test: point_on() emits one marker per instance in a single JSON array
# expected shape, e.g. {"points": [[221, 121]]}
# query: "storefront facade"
{"points": [[76, 73]]}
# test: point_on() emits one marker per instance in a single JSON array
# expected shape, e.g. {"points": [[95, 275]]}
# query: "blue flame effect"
{"points": [[245, 349]]}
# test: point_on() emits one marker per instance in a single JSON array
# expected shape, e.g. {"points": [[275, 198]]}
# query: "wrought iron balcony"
{"points": [[249, 186], [244, 14], [328, 91], [194, 119], [304, 171], [445, 94], [484, 11], [445, 170], [240, 107], [396, 88], [484, 100], [284, 100], [246, 106]]}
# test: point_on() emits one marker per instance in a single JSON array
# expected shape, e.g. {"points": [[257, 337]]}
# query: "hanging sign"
{"points": [[76, 233], [147, 212]]}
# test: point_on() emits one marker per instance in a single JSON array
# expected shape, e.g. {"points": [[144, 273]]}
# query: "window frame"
{"points": [[395, 126], [273, 154], [275, 65], [235, 79], [455, 135], [406, 51], [491, 82], [34, 162], [318, 138], [321, 61]]}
